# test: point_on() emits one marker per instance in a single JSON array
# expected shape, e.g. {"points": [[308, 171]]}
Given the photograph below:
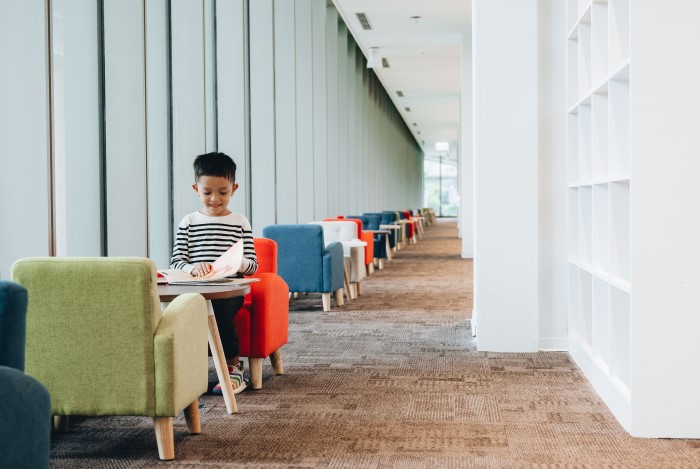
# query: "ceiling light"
{"points": [[442, 146], [408, 109], [415, 124], [416, 18], [363, 21], [373, 58], [385, 62], [400, 94]]}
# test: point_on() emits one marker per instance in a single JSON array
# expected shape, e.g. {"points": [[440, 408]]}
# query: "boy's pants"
{"points": [[224, 311]]}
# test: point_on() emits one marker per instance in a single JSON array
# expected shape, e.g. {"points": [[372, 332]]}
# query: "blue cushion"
{"points": [[25, 420], [13, 323]]}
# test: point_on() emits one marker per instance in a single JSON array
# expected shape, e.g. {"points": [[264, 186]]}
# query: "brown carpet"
{"points": [[392, 380]]}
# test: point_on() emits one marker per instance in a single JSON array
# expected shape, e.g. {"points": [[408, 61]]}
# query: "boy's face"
{"points": [[215, 192]]}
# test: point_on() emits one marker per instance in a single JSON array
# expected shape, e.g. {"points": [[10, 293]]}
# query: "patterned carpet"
{"points": [[392, 380]]}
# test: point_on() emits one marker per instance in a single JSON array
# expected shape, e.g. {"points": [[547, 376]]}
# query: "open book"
{"points": [[222, 270]]}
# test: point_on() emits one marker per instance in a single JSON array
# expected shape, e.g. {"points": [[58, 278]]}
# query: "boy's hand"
{"points": [[202, 269]]}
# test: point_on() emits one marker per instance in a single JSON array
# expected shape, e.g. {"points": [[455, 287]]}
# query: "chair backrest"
{"points": [[338, 230], [355, 220], [369, 222], [13, 314], [299, 255], [390, 217], [266, 252], [90, 320]]}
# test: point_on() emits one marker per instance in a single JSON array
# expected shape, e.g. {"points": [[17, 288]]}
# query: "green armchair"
{"points": [[97, 339]]}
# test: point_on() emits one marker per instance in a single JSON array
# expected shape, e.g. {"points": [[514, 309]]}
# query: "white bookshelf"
{"points": [[599, 178]]}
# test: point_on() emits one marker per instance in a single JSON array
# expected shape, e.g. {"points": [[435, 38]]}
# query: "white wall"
{"points": [[505, 175], [552, 246], [466, 151]]}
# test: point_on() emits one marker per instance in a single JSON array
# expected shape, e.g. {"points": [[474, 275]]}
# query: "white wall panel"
{"points": [[285, 111], [320, 105], [24, 137], [231, 69], [125, 128], [160, 230], [262, 115], [304, 111]]}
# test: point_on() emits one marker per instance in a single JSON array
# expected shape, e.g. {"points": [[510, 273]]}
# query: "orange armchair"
{"points": [[262, 323], [365, 236]]}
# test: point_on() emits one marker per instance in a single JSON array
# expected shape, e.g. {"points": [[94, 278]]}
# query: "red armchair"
{"points": [[365, 236], [262, 323]]}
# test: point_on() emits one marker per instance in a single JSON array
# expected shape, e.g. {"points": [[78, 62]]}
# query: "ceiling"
{"points": [[424, 56]]}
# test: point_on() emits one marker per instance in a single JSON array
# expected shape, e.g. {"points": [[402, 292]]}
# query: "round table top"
{"points": [[210, 292]]}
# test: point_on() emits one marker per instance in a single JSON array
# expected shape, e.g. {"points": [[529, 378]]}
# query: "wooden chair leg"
{"points": [[164, 437], [381, 264], [339, 297], [276, 360], [60, 423], [255, 365], [194, 425], [358, 288], [290, 296], [326, 298]]}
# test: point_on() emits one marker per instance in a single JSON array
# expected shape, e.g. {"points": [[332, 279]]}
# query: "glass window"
{"points": [[441, 186]]}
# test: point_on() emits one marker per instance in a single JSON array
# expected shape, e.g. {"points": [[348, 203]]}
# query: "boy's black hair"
{"points": [[214, 164]]}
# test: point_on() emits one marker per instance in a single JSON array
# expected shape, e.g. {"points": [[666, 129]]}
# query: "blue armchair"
{"points": [[382, 243], [25, 406], [389, 218], [305, 264]]}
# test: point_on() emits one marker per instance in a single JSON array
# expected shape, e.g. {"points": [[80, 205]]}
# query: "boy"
{"points": [[204, 235]]}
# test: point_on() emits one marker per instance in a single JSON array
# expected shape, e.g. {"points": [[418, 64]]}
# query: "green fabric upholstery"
{"points": [[97, 339]]}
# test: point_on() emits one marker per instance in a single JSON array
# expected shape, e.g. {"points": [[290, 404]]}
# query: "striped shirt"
{"points": [[201, 238]]}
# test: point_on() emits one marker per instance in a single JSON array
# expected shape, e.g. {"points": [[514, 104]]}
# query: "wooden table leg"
{"points": [[217, 352]]}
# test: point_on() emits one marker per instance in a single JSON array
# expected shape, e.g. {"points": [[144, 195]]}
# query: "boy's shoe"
{"points": [[238, 382]]}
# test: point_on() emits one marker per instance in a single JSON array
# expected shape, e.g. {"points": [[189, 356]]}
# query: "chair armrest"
{"points": [[269, 319], [180, 354], [333, 267]]}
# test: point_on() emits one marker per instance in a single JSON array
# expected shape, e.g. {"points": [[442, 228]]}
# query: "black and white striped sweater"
{"points": [[201, 238]]}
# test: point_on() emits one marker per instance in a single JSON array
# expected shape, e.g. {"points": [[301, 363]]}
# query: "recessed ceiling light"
{"points": [[416, 17], [408, 109], [415, 124], [400, 94]]}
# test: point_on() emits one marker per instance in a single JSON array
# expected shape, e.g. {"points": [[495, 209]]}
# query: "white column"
{"points": [[505, 175], [664, 229]]}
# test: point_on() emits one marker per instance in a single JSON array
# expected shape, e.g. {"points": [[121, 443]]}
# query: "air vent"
{"points": [[408, 109], [363, 21], [400, 94], [385, 62]]}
